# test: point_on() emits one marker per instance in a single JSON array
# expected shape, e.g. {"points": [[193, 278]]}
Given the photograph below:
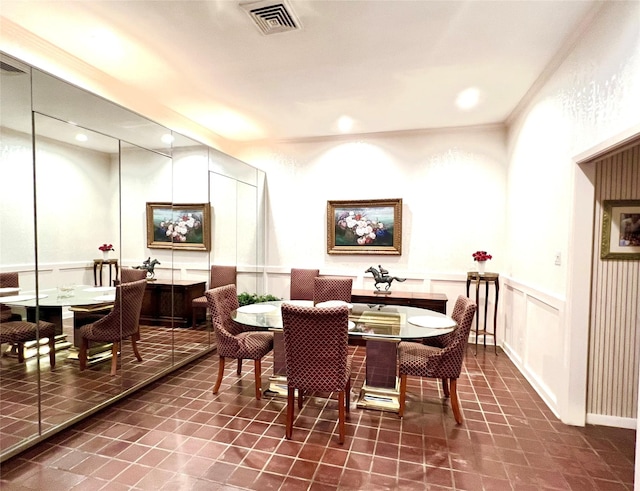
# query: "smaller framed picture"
{"points": [[364, 226], [179, 226], [620, 230]]}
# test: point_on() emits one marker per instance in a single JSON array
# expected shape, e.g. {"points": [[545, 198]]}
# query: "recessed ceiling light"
{"points": [[468, 98], [345, 123], [81, 137]]}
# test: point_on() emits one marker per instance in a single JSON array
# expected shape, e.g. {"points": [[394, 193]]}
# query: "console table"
{"points": [[431, 301], [168, 303], [487, 279]]}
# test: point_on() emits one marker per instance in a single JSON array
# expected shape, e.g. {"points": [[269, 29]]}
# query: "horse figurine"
{"points": [[148, 265], [382, 276]]}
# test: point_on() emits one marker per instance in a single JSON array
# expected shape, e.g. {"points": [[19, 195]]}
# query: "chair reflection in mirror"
{"points": [[302, 283], [326, 289], [121, 323], [219, 276]]}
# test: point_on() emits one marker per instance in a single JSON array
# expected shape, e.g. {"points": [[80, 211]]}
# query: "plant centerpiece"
{"points": [[245, 298], [106, 248], [481, 257]]}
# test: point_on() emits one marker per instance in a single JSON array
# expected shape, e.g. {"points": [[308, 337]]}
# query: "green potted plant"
{"points": [[245, 298]]}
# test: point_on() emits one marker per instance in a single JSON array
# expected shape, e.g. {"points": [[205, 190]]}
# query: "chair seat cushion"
{"points": [[22, 331], [253, 345], [199, 302], [416, 359]]}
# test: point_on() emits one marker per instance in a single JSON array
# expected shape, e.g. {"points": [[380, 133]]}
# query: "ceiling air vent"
{"points": [[271, 16], [10, 69]]}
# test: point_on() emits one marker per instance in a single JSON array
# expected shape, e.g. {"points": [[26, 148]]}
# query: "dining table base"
{"points": [[383, 399]]}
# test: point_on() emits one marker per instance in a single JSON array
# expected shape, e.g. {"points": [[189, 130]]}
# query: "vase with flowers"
{"points": [[481, 257], [106, 248]]}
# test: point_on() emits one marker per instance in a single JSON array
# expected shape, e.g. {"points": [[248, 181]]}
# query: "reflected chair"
{"points": [[302, 283], [18, 332], [129, 275], [219, 276], [317, 357], [445, 363], [121, 323], [232, 340], [325, 289], [8, 280]]}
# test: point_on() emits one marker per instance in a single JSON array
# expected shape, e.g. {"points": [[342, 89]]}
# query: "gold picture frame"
{"points": [[179, 226], [364, 226], [620, 229]]}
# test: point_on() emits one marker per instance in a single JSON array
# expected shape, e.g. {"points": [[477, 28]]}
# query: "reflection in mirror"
{"points": [[247, 236], [77, 193], [18, 381], [190, 185], [146, 176]]}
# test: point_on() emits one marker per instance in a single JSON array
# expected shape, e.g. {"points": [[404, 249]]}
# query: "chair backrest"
{"points": [[302, 283], [222, 276], [127, 275], [9, 280], [325, 289], [316, 346], [123, 320], [221, 302], [455, 342]]}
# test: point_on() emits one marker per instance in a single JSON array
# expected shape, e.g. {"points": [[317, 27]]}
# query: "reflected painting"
{"points": [[179, 226]]}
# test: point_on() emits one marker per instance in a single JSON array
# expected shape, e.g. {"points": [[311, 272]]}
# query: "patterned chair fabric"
{"points": [[302, 283], [19, 332], [121, 323], [445, 339], [417, 359], [129, 275], [325, 289], [8, 280], [232, 340], [220, 276], [317, 356]]}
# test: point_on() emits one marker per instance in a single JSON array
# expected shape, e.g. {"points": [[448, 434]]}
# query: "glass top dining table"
{"points": [[365, 320], [381, 327], [63, 296]]}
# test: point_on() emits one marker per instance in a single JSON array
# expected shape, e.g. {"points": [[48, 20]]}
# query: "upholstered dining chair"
{"points": [[18, 332], [9, 280], [232, 340], [302, 283], [219, 276], [121, 323], [445, 363], [129, 275], [327, 288], [317, 357]]}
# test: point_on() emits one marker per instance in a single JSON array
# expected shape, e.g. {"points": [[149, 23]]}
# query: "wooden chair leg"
{"points": [[403, 393], [257, 368], [134, 346], [20, 352], [115, 348], [239, 371], [220, 375], [341, 416], [455, 403], [300, 399], [82, 356], [348, 395], [445, 386], [52, 352], [291, 392]]}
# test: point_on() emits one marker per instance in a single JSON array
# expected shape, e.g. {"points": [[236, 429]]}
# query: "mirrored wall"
{"points": [[77, 173]]}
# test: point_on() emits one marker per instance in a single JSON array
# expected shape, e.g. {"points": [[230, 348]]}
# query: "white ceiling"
{"points": [[391, 65]]}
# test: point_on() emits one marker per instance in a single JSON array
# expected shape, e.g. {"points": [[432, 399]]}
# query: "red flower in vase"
{"points": [[481, 256], [106, 247]]}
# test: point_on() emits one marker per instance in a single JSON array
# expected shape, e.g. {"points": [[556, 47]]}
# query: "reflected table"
{"points": [[48, 304], [382, 327]]}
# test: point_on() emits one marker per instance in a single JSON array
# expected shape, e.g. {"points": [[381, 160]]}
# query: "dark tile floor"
{"points": [[176, 435]]}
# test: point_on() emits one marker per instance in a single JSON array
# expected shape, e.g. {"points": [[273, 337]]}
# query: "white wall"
{"points": [[453, 186], [592, 97]]}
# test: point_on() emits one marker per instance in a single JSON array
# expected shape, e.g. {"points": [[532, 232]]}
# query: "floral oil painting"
{"points": [[364, 227], [178, 226]]}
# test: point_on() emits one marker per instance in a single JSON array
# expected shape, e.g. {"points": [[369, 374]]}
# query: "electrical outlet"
{"points": [[558, 260]]}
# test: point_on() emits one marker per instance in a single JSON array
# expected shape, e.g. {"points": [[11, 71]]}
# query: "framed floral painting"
{"points": [[620, 229], [364, 227], [179, 226]]}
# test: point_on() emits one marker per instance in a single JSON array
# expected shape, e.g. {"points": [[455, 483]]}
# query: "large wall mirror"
{"points": [[77, 172]]}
